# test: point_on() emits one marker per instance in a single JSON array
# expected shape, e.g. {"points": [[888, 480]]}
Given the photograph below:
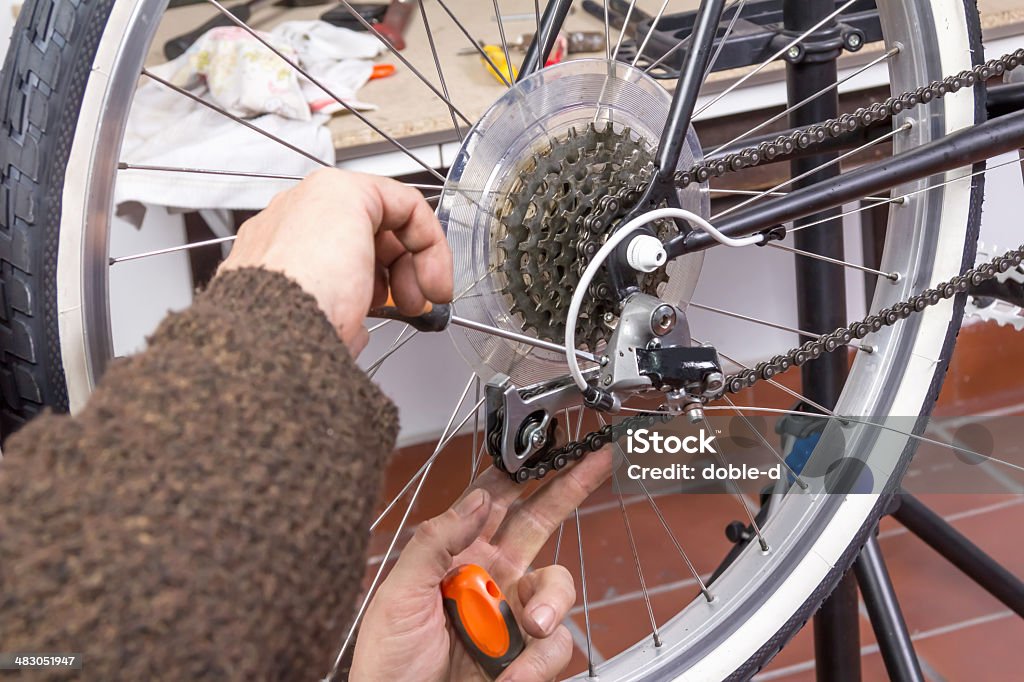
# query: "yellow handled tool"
{"points": [[497, 57]]}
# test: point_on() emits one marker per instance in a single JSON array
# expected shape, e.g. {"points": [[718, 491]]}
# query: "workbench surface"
{"points": [[409, 111]]}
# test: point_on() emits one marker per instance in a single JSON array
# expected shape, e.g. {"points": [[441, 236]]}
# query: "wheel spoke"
{"points": [[207, 171], [122, 165], [782, 114], [924, 439], [799, 481], [241, 121], [754, 193], [583, 591], [775, 56], [650, 32], [398, 55], [171, 249], [839, 159], [608, 32], [773, 325], [473, 41], [400, 341], [725, 38], [437, 65], [636, 561], [664, 524], [312, 79], [521, 338], [894, 276], [622, 31], [501, 35], [398, 532], [681, 44], [579, 428], [425, 467], [778, 385], [473, 463], [731, 484], [903, 197], [478, 457]]}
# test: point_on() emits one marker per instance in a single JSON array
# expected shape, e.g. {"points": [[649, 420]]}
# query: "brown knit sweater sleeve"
{"points": [[206, 515]]}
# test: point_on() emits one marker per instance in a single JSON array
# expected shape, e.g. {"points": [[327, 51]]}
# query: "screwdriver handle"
{"points": [[435, 318], [483, 618]]}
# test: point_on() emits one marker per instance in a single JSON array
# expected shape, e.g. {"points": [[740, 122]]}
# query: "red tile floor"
{"points": [[960, 632]]}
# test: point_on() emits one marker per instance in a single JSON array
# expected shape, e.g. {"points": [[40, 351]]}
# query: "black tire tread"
{"points": [[41, 90]]}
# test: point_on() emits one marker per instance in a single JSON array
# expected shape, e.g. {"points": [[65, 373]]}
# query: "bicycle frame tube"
{"points": [[691, 77], [544, 39], [960, 149]]}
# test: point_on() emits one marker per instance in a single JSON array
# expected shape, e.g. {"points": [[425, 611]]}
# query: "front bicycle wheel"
{"points": [[69, 81]]}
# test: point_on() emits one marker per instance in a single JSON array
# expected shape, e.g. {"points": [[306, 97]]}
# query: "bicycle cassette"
{"points": [[523, 211]]}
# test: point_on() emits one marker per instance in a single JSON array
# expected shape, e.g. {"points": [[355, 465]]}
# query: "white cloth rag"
{"points": [[232, 70]]}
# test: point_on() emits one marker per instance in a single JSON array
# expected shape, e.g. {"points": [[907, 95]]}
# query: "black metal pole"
{"points": [[957, 150], [821, 295], [691, 77], [540, 47], [886, 616], [821, 287], [961, 552]]}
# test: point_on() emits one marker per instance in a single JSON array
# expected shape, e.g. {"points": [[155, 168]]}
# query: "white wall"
{"points": [[142, 291]]}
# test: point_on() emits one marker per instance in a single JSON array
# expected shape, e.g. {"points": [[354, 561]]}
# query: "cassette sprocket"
{"points": [[551, 223]]}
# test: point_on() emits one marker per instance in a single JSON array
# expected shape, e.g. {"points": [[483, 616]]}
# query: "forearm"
{"points": [[207, 512]]}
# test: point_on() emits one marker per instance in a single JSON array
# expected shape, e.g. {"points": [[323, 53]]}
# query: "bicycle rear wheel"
{"points": [[68, 83]]}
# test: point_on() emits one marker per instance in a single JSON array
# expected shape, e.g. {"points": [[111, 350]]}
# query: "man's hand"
{"points": [[346, 238], [404, 634]]}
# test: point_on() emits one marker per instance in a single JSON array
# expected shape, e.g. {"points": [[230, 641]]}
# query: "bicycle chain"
{"points": [[558, 458]]}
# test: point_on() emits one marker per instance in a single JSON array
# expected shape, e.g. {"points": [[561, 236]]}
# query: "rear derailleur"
{"points": [[650, 352]]}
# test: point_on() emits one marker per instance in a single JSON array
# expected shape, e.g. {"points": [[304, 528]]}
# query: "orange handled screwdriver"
{"points": [[483, 618]]}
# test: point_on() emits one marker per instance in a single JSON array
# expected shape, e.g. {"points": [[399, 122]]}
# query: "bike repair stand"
{"points": [[811, 68]]}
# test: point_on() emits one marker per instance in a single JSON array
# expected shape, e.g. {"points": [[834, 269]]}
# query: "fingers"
{"points": [[430, 552], [407, 215], [542, 659], [503, 492], [405, 286], [529, 525], [546, 594]]}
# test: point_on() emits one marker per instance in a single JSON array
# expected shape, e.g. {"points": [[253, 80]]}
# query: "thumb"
{"points": [[430, 552]]}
